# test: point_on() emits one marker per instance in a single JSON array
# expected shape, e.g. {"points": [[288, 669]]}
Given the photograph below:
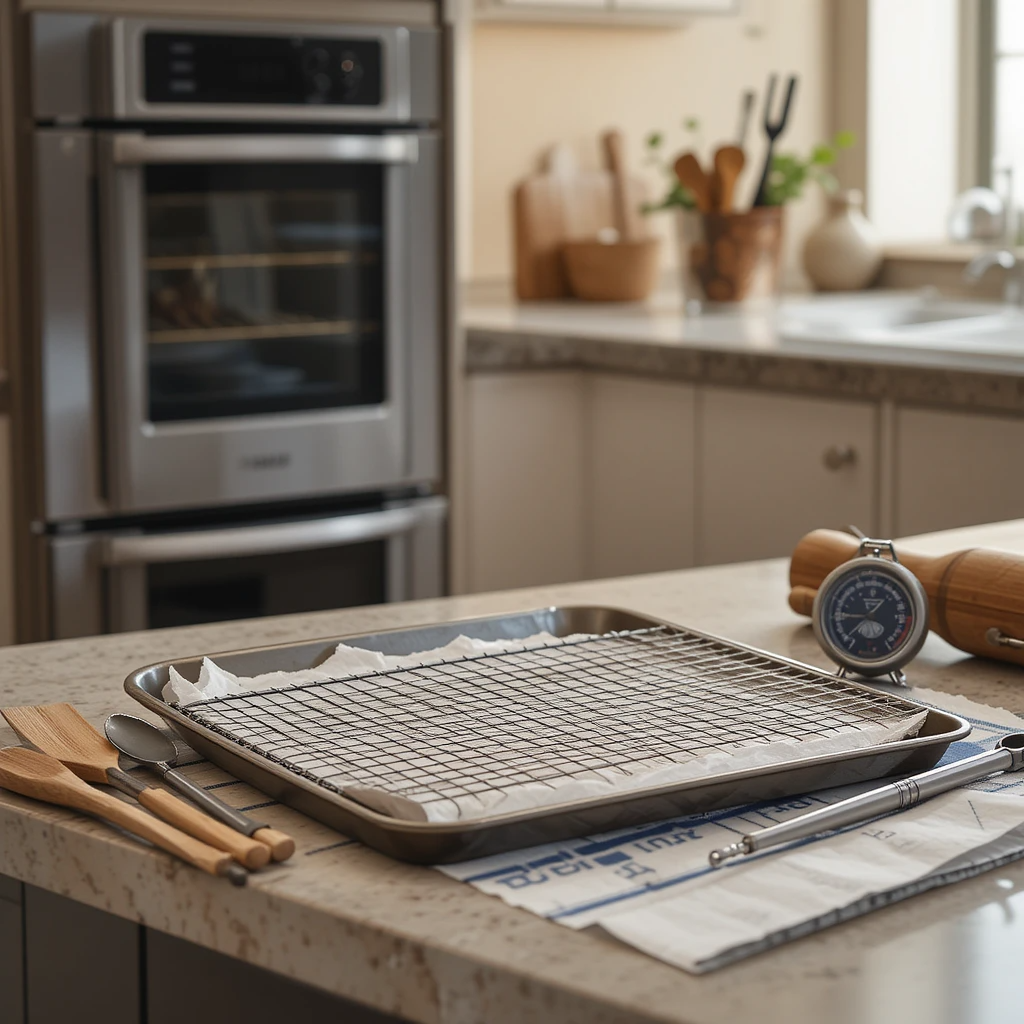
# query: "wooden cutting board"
{"points": [[560, 204]]}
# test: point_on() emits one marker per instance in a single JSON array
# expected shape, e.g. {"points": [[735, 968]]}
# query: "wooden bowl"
{"points": [[612, 271]]}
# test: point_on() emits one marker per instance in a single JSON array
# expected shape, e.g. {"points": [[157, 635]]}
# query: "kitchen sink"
{"points": [[919, 319]]}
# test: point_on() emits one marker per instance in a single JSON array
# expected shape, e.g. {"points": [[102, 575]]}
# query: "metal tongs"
{"points": [[1008, 756]]}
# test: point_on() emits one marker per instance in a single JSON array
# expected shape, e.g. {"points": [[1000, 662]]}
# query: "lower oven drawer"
{"points": [[110, 582]]}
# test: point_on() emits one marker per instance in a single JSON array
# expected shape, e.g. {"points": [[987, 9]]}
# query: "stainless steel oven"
{"points": [[264, 228], [240, 272]]}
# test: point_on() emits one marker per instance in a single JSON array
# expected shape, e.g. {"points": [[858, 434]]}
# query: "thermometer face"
{"points": [[871, 615]]}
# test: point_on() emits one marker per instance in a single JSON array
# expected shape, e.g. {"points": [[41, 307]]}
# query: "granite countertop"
{"points": [[744, 348], [412, 942]]}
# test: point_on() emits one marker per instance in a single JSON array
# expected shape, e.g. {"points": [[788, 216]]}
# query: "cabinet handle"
{"points": [[838, 456]]}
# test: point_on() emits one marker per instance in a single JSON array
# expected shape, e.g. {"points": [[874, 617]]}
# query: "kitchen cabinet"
{"points": [[772, 467], [581, 475], [588, 475], [669, 13], [577, 476], [640, 475], [956, 469], [81, 964], [12, 951], [524, 459]]}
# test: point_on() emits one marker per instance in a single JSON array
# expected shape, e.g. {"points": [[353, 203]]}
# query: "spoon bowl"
{"points": [[139, 740]]}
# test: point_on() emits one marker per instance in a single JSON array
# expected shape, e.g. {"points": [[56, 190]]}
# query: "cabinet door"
{"points": [[640, 438], [771, 468], [12, 951], [525, 466], [956, 469]]}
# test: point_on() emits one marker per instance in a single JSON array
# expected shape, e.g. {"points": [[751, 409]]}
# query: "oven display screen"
{"points": [[220, 69]]}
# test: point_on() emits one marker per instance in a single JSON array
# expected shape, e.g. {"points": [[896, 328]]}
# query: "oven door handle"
{"points": [[134, 149], [244, 541]]}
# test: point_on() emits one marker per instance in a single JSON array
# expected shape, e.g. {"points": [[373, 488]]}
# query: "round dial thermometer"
{"points": [[871, 613]]}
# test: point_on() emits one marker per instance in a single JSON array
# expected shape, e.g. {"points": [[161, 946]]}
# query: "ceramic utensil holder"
{"points": [[735, 256]]}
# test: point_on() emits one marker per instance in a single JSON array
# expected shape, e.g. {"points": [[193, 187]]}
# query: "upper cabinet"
{"points": [[618, 12]]}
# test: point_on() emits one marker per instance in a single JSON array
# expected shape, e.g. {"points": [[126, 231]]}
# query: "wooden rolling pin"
{"points": [[976, 596]]}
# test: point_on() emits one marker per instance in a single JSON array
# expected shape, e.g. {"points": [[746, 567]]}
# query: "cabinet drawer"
{"points": [[641, 442], [956, 469], [773, 467]]}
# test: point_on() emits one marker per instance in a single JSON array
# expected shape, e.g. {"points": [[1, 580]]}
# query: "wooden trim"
{"points": [[16, 328], [848, 86]]}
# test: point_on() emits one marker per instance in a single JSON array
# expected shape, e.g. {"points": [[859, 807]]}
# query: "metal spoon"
{"points": [[146, 744]]}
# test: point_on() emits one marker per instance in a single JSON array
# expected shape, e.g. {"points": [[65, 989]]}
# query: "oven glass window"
{"points": [[216, 590], [265, 288]]}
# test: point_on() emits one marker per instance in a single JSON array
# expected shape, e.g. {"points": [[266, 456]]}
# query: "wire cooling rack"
{"points": [[481, 724]]}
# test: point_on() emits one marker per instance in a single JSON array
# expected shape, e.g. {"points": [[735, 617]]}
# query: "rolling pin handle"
{"points": [[997, 638]]}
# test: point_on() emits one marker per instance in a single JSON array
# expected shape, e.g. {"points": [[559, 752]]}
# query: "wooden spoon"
{"points": [[60, 731], [729, 162], [42, 777], [691, 175]]}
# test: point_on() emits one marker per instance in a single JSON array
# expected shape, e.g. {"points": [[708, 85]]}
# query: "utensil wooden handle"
{"points": [[974, 595], [280, 844], [615, 159], [246, 851], [131, 819]]}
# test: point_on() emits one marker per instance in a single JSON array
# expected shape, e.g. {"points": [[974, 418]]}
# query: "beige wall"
{"points": [[533, 85]]}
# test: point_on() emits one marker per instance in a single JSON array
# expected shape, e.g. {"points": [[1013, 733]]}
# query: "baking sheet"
{"points": [[427, 842]]}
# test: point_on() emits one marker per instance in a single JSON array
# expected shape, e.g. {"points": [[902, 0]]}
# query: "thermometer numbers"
{"points": [[869, 616]]}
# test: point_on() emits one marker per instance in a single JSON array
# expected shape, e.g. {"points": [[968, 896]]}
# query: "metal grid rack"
{"points": [[481, 724]]}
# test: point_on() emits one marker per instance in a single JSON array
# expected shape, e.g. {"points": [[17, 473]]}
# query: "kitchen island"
{"points": [[107, 922]]}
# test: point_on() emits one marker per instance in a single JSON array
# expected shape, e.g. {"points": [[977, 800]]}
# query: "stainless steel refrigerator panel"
{"points": [[72, 435]]}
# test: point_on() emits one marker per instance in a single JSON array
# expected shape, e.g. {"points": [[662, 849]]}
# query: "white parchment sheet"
{"points": [[651, 886]]}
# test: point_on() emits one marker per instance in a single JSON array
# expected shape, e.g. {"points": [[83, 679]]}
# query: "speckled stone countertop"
{"points": [[417, 944], [745, 349]]}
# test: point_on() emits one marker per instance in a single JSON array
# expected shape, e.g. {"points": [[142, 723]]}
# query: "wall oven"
{"points": [[240, 276]]}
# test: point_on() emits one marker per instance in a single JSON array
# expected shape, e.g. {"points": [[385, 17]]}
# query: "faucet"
{"points": [[1013, 292]]}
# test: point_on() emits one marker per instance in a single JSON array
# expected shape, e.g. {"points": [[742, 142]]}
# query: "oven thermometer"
{"points": [[870, 614]]}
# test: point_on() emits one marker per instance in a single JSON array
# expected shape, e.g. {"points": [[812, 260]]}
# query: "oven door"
{"points": [[115, 581], [258, 332]]}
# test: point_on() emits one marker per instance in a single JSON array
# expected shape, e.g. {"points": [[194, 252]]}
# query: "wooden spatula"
{"points": [[729, 161], [42, 777], [691, 175], [60, 731]]}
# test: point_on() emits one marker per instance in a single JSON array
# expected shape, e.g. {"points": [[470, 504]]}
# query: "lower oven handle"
{"points": [[242, 541], [134, 148]]}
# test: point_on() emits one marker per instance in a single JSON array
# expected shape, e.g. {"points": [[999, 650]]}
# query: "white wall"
{"points": [[534, 85], [912, 117]]}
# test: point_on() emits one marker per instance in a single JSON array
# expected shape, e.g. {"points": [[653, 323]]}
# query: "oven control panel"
{"points": [[221, 69]]}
